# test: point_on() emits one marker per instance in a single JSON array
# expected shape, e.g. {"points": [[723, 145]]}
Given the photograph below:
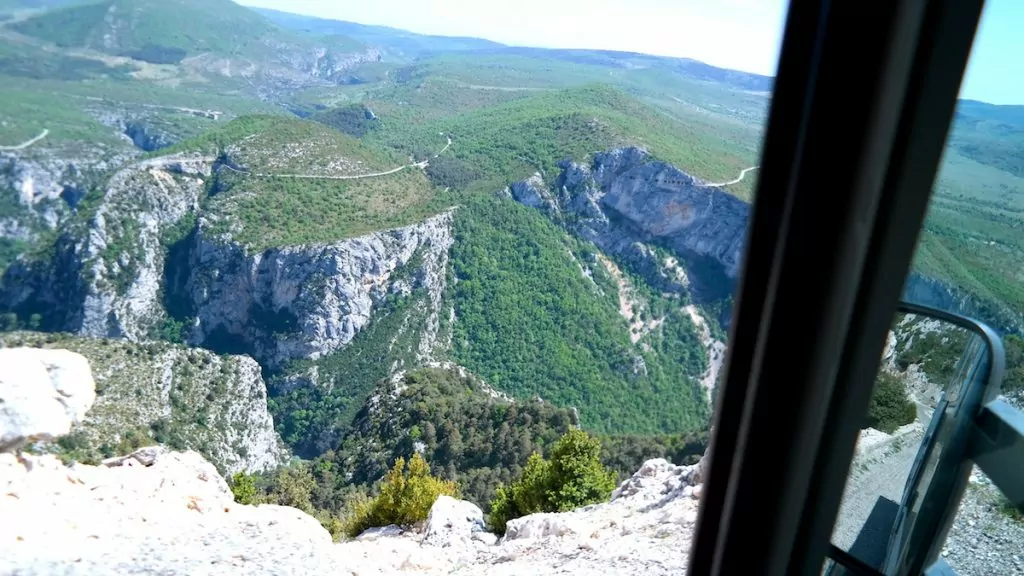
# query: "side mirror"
{"points": [[940, 373]]}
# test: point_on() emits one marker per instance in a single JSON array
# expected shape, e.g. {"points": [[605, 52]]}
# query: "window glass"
{"points": [[968, 262], [361, 255]]}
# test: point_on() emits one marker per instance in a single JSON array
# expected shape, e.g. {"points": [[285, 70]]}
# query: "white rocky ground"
{"points": [[162, 512], [177, 516]]}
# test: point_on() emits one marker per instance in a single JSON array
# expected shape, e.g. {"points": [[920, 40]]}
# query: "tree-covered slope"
{"points": [[531, 323], [465, 430]]}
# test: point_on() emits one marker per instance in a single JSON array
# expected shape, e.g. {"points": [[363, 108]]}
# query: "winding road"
{"points": [[26, 143], [737, 180]]}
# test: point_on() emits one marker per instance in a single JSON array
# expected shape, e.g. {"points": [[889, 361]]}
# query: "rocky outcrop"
{"points": [[628, 204], [308, 301], [104, 275], [647, 528], [45, 181], [42, 394], [170, 513], [146, 137], [108, 276], [174, 516], [671, 206], [157, 392]]}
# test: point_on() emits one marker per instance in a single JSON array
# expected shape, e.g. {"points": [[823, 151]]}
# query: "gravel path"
{"points": [[984, 540], [881, 470]]}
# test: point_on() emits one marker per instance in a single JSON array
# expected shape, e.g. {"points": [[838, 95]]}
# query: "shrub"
{"points": [[244, 488], [405, 497], [1011, 511], [890, 408], [573, 477]]}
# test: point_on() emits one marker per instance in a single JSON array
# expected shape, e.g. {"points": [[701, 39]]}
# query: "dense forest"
{"points": [[531, 324], [464, 430]]}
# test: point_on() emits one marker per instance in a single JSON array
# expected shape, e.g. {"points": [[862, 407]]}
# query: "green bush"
{"points": [[573, 477], [890, 407], [244, 488], [405, 497]]}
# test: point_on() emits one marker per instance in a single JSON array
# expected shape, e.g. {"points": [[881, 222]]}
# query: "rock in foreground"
{"points": [[176, 516], [646, 529], [42, 393]]}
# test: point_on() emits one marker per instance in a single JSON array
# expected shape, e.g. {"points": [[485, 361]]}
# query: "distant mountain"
{"points": [[399, 44], [168, 31], [990, 134], [404, 44], [686, 67], [9, 6]]}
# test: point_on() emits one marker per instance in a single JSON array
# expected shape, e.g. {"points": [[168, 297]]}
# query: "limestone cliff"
{"points": [[103, 276], [629, 205], [41, 184], [158, 392], [305, 302], [108, 274]]}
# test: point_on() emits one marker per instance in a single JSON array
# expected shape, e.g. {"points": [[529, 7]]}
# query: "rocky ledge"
{"points": [[161, 512]]}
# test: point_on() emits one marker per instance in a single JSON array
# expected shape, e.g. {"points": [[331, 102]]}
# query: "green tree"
{"points": [[293, 486], [890, 407], [577, 477], [573, 477], [405, 497], [244, 488]]}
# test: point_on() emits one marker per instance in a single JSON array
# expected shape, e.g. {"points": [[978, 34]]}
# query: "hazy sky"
{"points": [[738, 34]]}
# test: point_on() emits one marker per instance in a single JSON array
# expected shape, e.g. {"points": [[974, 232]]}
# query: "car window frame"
{"points": [[871, 110]]}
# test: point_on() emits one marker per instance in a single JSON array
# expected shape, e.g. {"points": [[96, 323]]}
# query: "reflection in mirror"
{"points": [[924, 368], [987, 536]]}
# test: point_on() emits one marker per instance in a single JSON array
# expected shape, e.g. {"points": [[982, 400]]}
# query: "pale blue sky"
{"points": [[738, 34]]}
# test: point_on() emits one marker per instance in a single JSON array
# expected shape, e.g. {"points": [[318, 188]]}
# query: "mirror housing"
{"points": [[939, 387]]}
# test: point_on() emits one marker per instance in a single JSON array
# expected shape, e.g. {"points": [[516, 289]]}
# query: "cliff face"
{"points": [[40, 184], [108, 275], [630, 205], [307, 302], [104, 274], [157, 392], [669, 205]]}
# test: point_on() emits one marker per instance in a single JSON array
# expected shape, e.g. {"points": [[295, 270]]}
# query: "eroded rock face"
{"points": [[104, 277], [42, 394], [189, 398], [43, 182], [626, 203], [316, 298]]}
